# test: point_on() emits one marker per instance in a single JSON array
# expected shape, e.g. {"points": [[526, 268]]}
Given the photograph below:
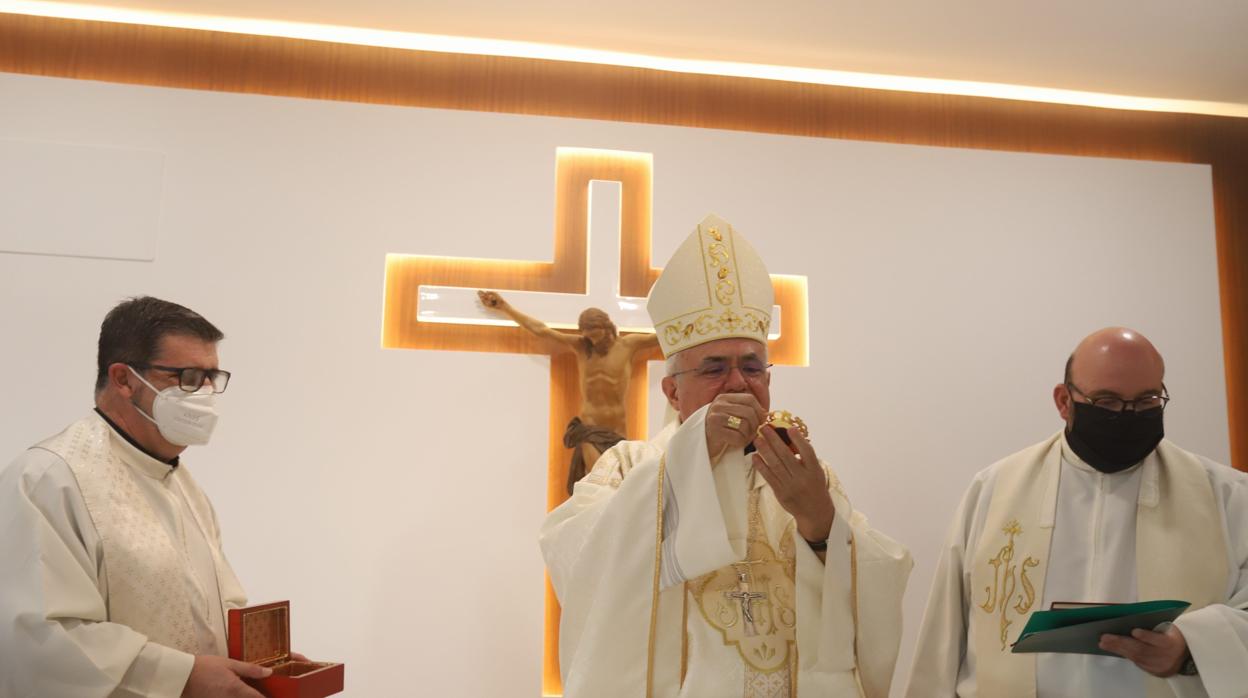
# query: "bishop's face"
{"points": [[708, 370]]}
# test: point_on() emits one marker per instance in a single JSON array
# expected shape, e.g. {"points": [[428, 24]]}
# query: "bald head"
{"points": [[1116, 359], [1113, 362]]}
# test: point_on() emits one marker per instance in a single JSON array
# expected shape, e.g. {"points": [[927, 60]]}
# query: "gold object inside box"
{"points": [[783, 419]]}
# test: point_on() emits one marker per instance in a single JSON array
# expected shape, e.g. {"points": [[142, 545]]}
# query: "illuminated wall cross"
{"points": [[430, 303]]}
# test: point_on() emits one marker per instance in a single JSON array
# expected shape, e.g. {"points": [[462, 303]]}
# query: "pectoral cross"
{"points": [[745, 596]]}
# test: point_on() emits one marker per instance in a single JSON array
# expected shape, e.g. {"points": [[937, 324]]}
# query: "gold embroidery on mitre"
{"points": [[1006, 576], [765, 635], [718, 258], [707, 323]]}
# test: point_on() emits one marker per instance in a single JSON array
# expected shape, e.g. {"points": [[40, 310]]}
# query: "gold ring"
{"points": [[734, 422]]}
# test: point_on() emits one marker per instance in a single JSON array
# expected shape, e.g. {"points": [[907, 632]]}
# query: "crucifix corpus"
{"points": [[745, 595], [604, 362]]}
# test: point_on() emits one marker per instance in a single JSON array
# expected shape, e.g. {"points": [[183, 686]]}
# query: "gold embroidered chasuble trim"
{"points": [[753, 606], [654, 597], [769, 655], [1018, 525], [1006, 577]]}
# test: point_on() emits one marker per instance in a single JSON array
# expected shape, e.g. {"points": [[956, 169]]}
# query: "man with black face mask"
{"points": [[1104, 511]]}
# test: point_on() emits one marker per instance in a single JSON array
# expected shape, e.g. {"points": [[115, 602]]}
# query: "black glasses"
{"points": [[1116, 404], [751, 370], [191, 379]]}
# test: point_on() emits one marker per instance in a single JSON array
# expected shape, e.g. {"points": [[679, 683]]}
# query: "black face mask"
{"points": [[1114, 441]]}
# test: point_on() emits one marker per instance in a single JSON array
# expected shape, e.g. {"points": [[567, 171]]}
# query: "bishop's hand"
{"points": [[798, 480], [1160, 654], [731, 421]]}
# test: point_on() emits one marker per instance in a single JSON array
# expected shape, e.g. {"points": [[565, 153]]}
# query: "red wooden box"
{"points": [[261, 635]]}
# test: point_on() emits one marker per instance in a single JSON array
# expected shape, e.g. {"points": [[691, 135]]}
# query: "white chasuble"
{"points": [[701, 587], [1041, 527], [119, 577]]}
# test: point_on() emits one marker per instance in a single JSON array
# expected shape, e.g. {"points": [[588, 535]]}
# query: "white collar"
{"points": [[1150, 491]]}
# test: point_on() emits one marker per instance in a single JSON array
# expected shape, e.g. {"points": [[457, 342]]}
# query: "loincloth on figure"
{"points": [[579, 433]]}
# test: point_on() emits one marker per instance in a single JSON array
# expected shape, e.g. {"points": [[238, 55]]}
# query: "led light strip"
{"points": [[523, 49]]}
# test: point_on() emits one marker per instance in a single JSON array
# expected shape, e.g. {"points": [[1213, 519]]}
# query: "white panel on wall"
{"points": [[79, 200], [395, 496]]}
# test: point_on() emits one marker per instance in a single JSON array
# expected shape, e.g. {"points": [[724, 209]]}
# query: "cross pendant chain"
{"points": [[745, 595]]}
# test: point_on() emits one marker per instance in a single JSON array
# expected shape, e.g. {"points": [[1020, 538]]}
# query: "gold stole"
{"points": [[149, 578], [1180, 553], [770, 654], [753, 605]]}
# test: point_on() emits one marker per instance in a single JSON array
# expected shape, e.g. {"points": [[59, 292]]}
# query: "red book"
{"points": [[261, 635]]}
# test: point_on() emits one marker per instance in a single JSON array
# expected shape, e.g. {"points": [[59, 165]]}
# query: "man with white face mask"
{"points": [[113, 578]]}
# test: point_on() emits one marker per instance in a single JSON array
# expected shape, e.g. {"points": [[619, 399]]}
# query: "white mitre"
{"points": [[714, 287]]}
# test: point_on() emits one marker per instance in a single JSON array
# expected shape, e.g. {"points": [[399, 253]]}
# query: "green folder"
{"points": [[1079, 630]]}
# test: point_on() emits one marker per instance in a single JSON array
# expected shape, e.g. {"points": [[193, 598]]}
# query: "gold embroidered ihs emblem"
{"points": [[751, 602], [1005, 580]]}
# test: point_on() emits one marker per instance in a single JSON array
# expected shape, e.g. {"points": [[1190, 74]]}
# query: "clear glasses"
{"points": [[1113, 403]]}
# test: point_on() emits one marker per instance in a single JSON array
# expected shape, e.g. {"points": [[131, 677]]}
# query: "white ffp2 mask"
{"points": [[184, 419]]}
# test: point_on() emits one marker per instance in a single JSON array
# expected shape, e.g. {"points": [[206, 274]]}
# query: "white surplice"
{"points": [[60, 632], [631, 629], [1092, 557]]}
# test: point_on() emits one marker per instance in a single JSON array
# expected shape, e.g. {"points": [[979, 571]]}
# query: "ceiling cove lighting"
{"points": [[522, 49]]}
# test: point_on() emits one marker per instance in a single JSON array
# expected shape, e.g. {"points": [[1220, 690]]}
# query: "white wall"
{"points": [[394, 496]]}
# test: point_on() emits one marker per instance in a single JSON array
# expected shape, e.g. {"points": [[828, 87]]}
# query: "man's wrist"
{"points": [[817, 534], [817, 546]]}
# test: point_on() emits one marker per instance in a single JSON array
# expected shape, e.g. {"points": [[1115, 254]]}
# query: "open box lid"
{"points": [[261, 634]]}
